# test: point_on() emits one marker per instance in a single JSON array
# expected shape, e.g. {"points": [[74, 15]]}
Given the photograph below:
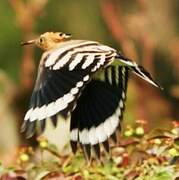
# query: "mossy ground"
{"points": [[140, 155]]}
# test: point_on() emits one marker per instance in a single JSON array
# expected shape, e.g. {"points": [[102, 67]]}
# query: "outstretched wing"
{"points": [[99, 111], [63, 73]]}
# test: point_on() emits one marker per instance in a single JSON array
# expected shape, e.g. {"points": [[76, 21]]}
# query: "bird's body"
{"points": [[78, 78]]}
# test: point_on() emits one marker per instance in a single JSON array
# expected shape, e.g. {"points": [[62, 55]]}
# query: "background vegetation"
{"points": [[145, 31]]}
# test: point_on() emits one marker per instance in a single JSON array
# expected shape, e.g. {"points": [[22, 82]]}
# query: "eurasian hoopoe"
{"points": [[85, 80]]}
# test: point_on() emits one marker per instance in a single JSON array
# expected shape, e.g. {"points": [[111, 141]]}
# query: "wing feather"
{"points": [[99, 111]]}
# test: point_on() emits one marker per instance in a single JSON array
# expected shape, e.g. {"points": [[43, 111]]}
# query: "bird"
{"points": [[86, 81]]}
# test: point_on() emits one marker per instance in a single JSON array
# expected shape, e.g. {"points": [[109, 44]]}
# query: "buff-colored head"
{"points": [[48, 40]]}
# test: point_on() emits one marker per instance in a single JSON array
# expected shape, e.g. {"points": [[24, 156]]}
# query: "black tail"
{"points": [[137, 69]]}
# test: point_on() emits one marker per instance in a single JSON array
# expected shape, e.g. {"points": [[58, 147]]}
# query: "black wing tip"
{"points": [[97, 151], [29, 128], [87, 151], [23, 127], [74, 147], [54, 120], [114, 137], [42, 125], [30, 135], [106, 146], [30, 132]]}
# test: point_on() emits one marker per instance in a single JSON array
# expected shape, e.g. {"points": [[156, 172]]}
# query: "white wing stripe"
{"points": [[89, 60], [86, 78], [74, 90], [83, 136], [100, 63], [42, 112], [93, 139], [60, 104], [76, 61], [107, 127], [74, 135], [62, 61], [28, 114], [100, 133], [50, 109], [67, 98], [79, 84], [33, 114]]}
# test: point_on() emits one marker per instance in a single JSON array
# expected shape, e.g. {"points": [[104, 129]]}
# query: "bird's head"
{"points": [[48, 40]]}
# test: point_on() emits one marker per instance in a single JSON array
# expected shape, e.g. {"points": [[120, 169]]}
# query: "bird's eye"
{"points": [[60, 34], [41, 40]]}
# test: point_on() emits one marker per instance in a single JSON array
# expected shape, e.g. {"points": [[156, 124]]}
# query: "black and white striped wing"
{"points": [[61, 80], [56, 93], [88, 55], [99, 111]]}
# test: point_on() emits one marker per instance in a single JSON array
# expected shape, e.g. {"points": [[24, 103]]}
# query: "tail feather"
{"points": [[138, 70], [141, 72]]}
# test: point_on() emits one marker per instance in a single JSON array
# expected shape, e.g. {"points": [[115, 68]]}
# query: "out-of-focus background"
{"points": [[145, 31]]}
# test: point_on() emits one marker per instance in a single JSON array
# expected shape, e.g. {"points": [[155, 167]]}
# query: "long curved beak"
{"points": [[28, 42]]}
